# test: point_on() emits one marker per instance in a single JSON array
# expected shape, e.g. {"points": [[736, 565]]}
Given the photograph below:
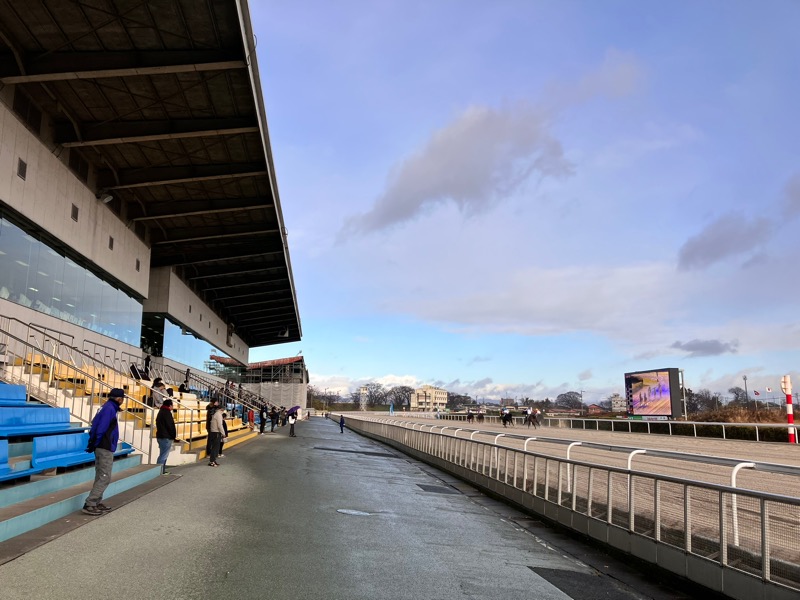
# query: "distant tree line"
{"points": [[400, 396]]}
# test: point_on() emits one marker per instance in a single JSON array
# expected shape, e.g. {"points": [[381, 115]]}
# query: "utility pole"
{"points": [[746, 395]]}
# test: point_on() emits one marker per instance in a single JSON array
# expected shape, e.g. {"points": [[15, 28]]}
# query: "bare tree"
{"points": [[400, 396], [569, 400]]}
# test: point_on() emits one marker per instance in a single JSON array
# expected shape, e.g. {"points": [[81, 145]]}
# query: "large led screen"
{"points": [[653, 394]]}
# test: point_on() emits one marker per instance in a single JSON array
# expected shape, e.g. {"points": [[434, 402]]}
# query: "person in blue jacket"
{"points": [[103, 438], [341, 424]]}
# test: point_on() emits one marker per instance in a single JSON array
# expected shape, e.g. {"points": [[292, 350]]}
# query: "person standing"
{"points": [[262, 417], [292, 420], [224, 437], [273, 419], [216, 427], [159, 394], [210, 410], [103, 438], [341, 424], [165, 433], [251, 419]]}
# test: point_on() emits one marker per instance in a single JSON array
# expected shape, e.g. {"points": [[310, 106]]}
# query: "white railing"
{"points": [[678, 428], [729, 539]]}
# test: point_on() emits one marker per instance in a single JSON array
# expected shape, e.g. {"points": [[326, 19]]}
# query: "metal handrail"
{"points": [[705, 459], [676, 511], [629, 422]]}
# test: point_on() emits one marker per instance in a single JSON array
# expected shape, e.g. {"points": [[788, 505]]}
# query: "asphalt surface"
{"points": [[327, 516]]}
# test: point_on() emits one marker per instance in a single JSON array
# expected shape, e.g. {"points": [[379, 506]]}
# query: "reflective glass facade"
{"points": [[35, 275], [163, 337]]}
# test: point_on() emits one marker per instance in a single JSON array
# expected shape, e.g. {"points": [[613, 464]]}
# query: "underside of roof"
{"points": [[162, 101]]}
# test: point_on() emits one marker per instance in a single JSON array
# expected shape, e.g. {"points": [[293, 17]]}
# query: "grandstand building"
{"points": [[139, 208]]}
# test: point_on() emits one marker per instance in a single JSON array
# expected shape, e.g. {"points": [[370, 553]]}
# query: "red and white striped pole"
{"points": [[786, 387]]}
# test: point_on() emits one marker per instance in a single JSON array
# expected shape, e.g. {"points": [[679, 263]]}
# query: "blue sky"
{"points": [[522, 198]]}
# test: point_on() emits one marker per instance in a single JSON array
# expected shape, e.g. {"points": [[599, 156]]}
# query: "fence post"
{"points": [[734, 510], [765, 547]]}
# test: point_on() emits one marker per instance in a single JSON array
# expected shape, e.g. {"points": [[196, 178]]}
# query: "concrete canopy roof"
{"points": [[162, 100]]}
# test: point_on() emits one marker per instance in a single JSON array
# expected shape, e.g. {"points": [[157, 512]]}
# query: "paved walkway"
{"points": [[326, 516]]}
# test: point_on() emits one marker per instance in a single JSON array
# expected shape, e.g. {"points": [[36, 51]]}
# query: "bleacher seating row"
{"points": [[83, 381], [55, 441], [94, 382], [51, 452]]}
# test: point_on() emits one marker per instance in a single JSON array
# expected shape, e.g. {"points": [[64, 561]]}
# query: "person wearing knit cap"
{"points": [[103, 438], [165, 433]]}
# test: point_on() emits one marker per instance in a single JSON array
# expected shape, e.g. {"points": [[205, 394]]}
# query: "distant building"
{"points": [[428, 398], [594, 409], [618, 404]]}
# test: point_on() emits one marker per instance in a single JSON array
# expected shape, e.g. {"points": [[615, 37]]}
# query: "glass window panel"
{"points": [[72, 294], [90, 307], [6, 259], [31, 248]]}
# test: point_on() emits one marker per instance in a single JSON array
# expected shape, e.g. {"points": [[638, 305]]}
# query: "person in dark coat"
{"points": [[262, 417], [165, 433], [273, 418], [103, 438], [341, 424], [210, 410]]}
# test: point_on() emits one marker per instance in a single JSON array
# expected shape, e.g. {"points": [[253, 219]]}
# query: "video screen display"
{"points": [[653, 393]]}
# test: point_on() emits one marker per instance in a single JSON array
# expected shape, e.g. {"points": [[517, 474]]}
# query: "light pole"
{"points": [[746, 395]]}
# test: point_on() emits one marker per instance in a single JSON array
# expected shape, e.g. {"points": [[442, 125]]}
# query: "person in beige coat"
{"points": [[216, 429]]}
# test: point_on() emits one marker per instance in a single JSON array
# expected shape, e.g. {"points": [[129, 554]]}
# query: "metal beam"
{"points": [[267, 293], [167, 259], [209, 211], [246, 283], [156, 176], [136, 132], [219, 236], [61, 66], [269, 313], [232, 272]]}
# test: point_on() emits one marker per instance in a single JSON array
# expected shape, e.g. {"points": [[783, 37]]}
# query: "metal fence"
{"points": [[732, 540], [778, 432]]}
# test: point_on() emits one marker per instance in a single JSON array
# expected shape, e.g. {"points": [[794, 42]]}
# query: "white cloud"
{"points": [[538, 301], [486, 154], [481, 157], [655, 138]]}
